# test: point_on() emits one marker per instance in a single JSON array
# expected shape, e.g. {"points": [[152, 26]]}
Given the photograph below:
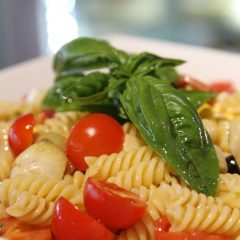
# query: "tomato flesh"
{"points": [[222, 87], [21, 134], [161, 225], [94, 135], [194, 83], [44, 114], [115, 207], [161, 228], [188, 236], [13, 229], [70, 223]]}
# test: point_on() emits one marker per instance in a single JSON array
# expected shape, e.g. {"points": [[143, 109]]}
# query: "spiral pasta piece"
{"points": [[6, 156], [211, 127], [234, 140], [229, 189], [109, 165], [142, 230], [226, 106], [144, 193], [188, 210], [30, 208], [217, 219], [61, 123], [223, 133], [42, 187], [133, 139], [11, 110], [130, 129], [171, 195], [145, 173]]}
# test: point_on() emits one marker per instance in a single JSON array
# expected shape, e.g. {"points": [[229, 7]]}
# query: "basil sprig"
{"points": [[139, 87], [173, 129]]}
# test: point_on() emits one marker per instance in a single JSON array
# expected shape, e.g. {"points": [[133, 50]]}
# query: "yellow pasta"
{"points": [[229, 189], [217, 219], [142, 230], [130, 129], [42, 187], [234, 140], [110, 165], [226, 106], [145, 173], [6, 156], [61, 123], [30, 209], [144, 193]]}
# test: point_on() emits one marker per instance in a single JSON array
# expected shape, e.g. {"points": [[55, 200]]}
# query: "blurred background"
{"points": [[32, 28]]}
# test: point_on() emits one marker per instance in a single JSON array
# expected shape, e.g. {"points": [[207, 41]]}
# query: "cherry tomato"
{"points": [[222, 87], [115, 207], [70, 223], [188, 236], [44, 114], [13, 229], [194, 83], [161, 225], [21, 133], [161, 228], [94, 135]]}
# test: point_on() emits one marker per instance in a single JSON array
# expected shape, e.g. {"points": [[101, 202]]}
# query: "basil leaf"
{"points": [[69, 73], [197, 98], [87, 53], [69, 90], [167, 74], [146, 63], [171, 126]]}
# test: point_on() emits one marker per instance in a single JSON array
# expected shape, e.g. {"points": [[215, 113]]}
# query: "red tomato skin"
{"points": [[115, 207], [41, 234], [222, 87], [161, 225], [94, 135], [13, 229], [45, 114], [194, 83], [21, 133], [70, 223], [188, 236]]}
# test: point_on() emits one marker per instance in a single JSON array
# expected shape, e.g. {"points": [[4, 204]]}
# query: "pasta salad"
{"points": [[121, 147]]}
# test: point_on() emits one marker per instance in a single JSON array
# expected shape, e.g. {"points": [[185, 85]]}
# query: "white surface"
{"points": [[205, 64]]}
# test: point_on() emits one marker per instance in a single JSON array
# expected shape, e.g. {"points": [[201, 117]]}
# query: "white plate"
{"points": [[203, 63]]}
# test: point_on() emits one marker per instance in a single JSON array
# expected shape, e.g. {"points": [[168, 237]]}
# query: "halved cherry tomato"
{"points": [[188, 236], [222, 87], [161, 228], [13, 229], [194, 83], [115, 207], [44, 114], [94, 135], [21, 133], [161, 225], [69, 223]]}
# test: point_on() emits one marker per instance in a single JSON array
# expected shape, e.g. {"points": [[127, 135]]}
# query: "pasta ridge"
{"points": [[110, 165], [30, 208], [42, 187], [145, 173], [61, 123]]}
